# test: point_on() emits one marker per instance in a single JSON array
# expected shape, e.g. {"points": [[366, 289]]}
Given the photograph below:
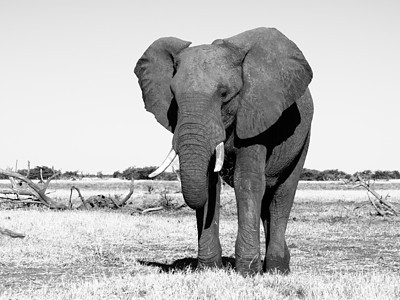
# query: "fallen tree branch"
{"points": [[16, 192], [46, 184], [128, 196], [115, 202], [101, 201], [80, 197], [25, 201], [151, 209], [10, 233], [38, 192], [384, 208], [378, 211]]}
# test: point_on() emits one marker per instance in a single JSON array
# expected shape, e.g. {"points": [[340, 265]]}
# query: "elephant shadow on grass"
{"points": [[187, 263]]}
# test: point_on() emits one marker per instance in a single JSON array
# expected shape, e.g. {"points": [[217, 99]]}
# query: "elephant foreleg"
{"points": [[209, 247], [249, 182]]}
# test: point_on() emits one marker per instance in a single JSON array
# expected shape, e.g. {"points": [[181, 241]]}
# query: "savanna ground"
{"points": [[339, 248]]}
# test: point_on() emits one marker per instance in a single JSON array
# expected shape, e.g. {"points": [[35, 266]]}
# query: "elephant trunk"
{"points": [[197, 134], [194, 157]]}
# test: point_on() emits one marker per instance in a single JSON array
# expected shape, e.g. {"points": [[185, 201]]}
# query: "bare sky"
{"points": [[69, 97]]}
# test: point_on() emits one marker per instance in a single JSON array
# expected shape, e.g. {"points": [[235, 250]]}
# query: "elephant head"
{"points": [[244, 82]]}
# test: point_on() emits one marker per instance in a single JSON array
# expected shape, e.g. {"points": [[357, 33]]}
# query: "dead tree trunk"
{"points": [[101, 201], [382, 207], [32, 189]]}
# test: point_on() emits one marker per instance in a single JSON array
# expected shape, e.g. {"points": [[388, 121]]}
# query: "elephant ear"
{"points": [[155, 70], [275, 75]]}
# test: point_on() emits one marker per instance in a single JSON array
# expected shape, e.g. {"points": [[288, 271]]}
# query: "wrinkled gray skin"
{"points": [[251, 92]]}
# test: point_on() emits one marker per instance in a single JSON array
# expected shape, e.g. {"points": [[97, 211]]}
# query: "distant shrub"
{"points": [[137, 173], [309, 175], [378, 175], [23, 172], [35, 172], [117, 174], [335, 175], [70, 174], [143, 174], [326, 175], [395, 174]]}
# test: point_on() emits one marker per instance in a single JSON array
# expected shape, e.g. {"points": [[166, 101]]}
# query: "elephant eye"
{"points": [[223, 92]]}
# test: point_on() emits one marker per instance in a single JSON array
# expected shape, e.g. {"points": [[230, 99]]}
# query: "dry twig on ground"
{"points": [[11, 233]]}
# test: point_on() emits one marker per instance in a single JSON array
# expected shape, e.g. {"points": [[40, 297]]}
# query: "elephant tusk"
{"points": [[219, 161], [168, 160]]}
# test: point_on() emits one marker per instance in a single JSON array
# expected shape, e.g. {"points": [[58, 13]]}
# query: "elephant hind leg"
{"points": [[276, 207], [274, 219]]}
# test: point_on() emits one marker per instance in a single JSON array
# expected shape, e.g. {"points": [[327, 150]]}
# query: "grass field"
{"points": [[339, 249]]}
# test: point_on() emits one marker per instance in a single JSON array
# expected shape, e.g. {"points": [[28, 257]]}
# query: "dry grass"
{"points": [[220, 285], [339, 251]]}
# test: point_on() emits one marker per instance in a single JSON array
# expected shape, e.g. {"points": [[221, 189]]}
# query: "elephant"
{"points": [[240, 110]]}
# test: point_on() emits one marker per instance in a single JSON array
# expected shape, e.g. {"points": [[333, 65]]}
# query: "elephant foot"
{"points": [[209, 255], [275, 264], [209, 264], [248, 266]]}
